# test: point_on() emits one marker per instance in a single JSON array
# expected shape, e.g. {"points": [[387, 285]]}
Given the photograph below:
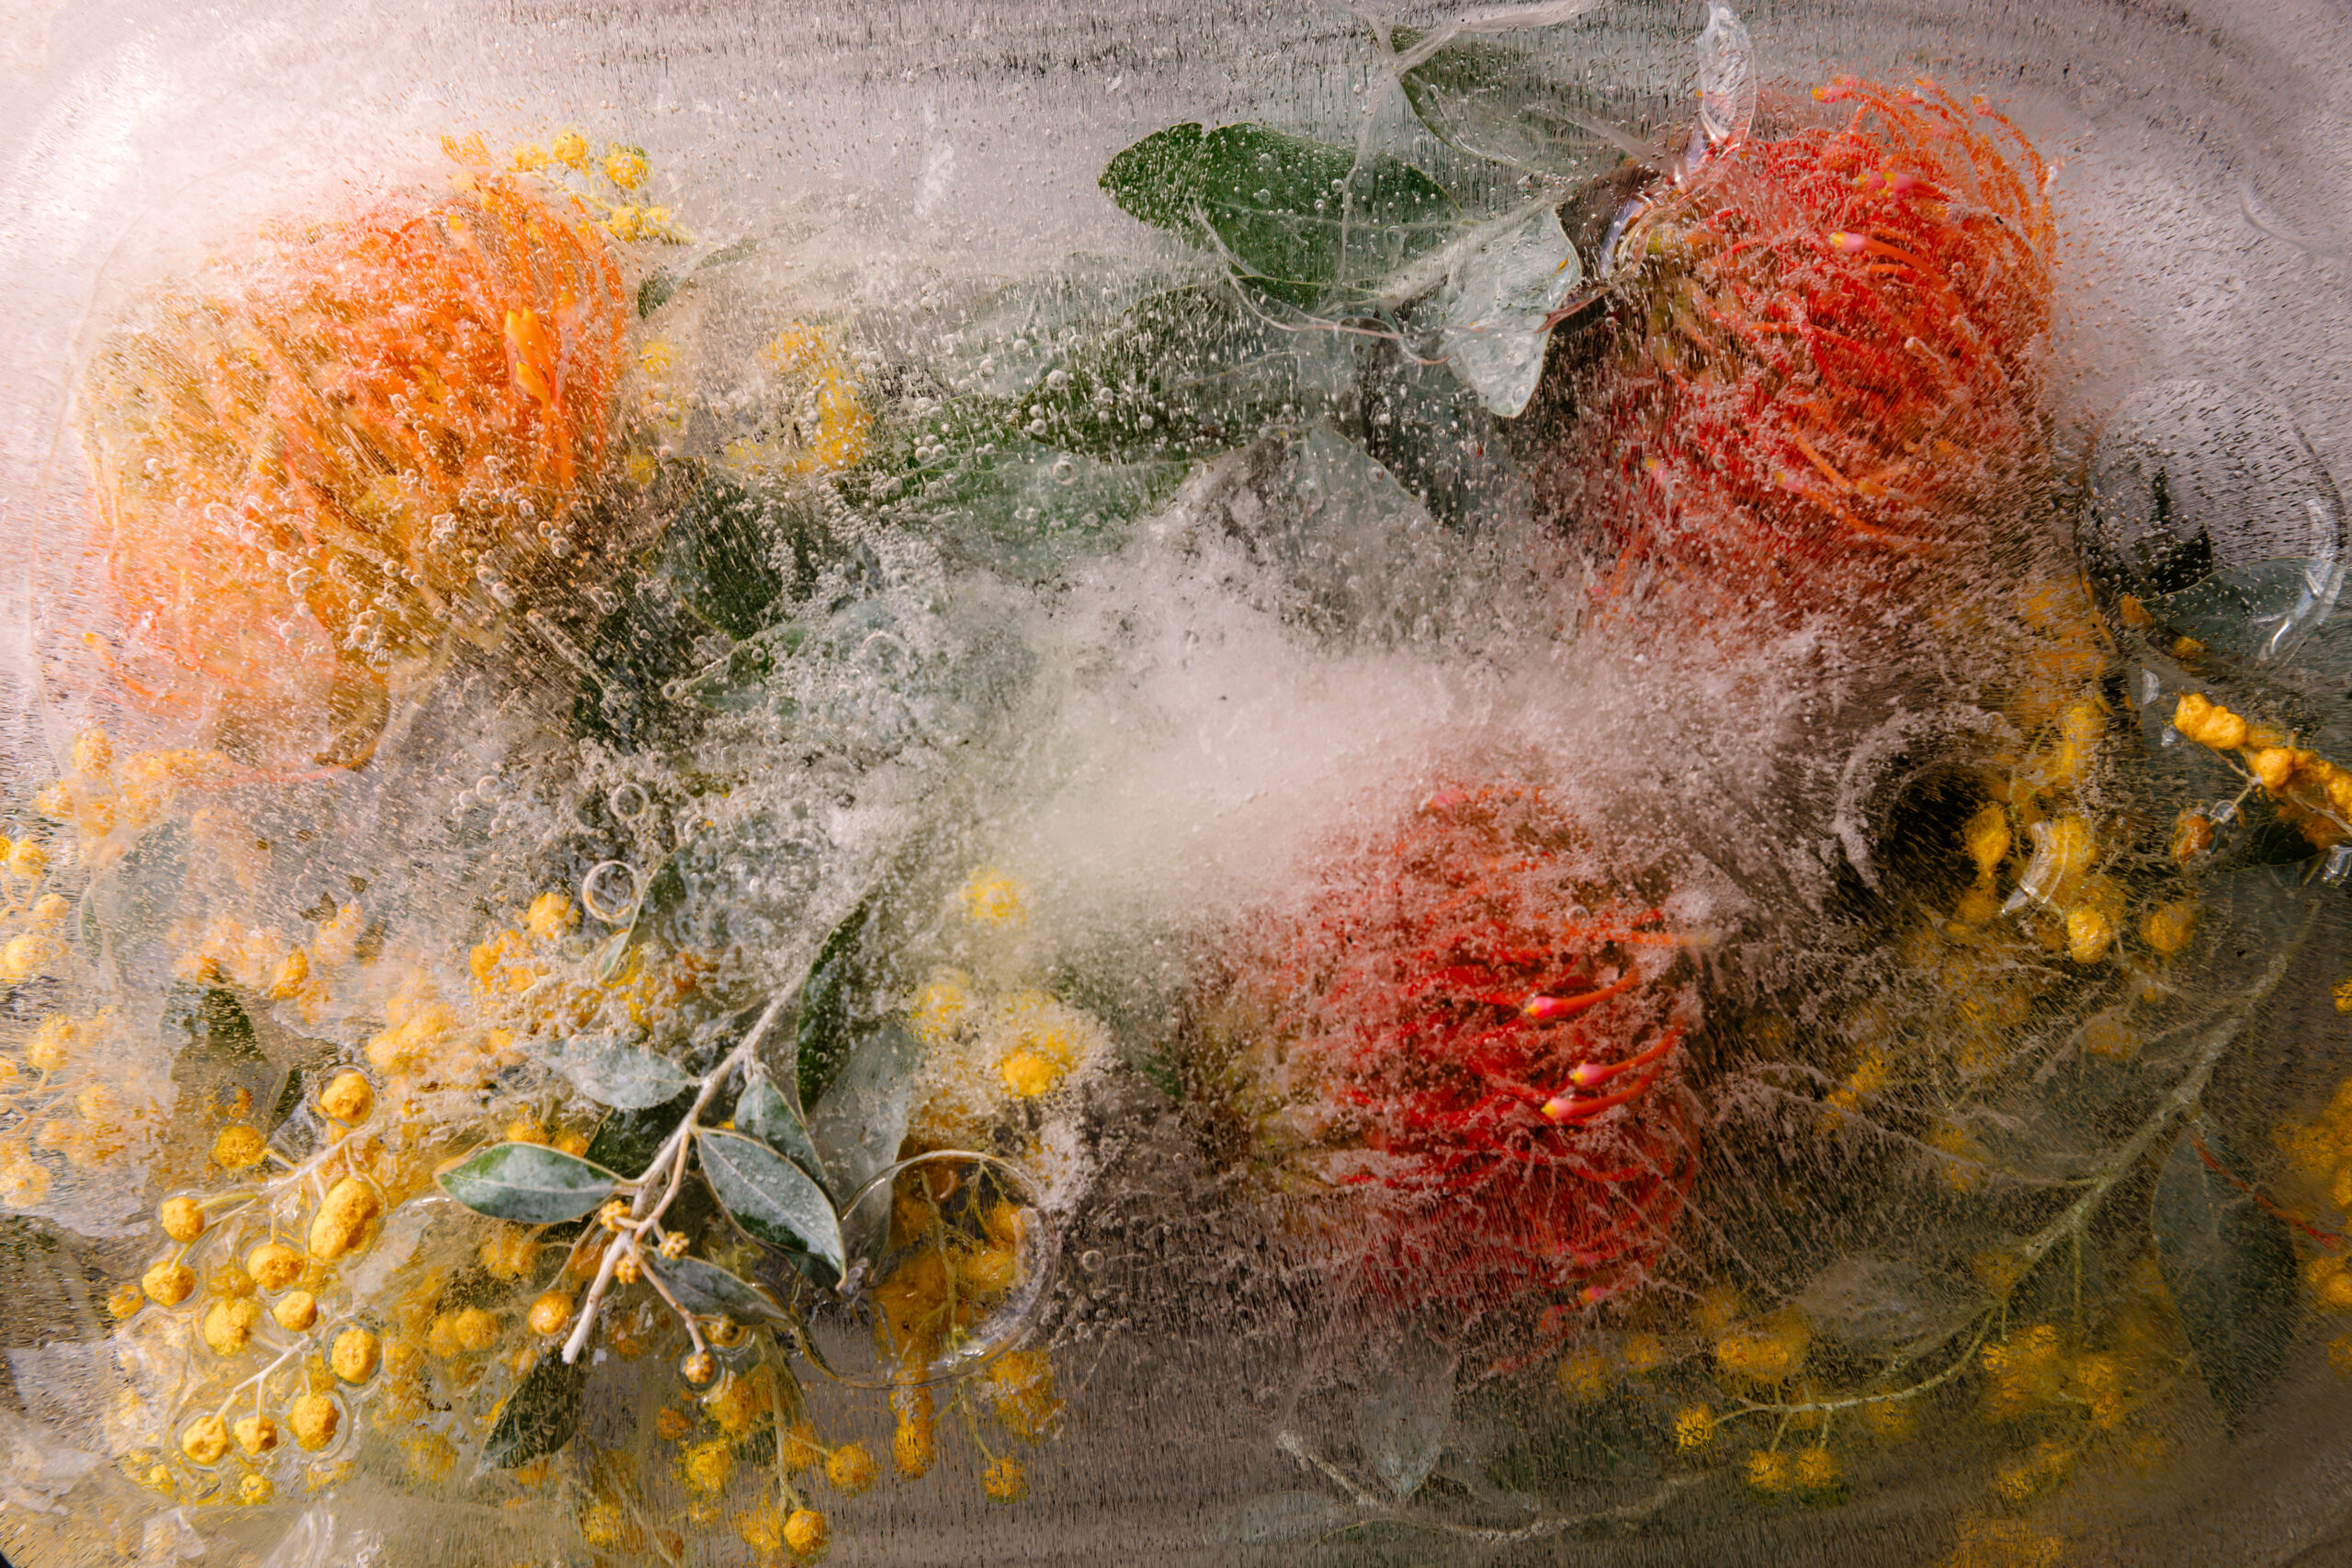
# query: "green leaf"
{"points": [[1502, 104], [626, 1141], [710, 1291], [1295, 215], [775, 1201], [822, 1037], [611, 1071], [529, 1183], [2230, 1266], [654, 292], [540, 1415], [767, 1115], [1157, 180]]}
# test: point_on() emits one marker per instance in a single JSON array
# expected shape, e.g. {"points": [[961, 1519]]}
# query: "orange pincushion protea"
{"points": [[1836, 377], [381, 432], [1472, 1043]]}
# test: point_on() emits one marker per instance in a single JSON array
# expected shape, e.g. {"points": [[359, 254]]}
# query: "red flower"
{"points": [[1471, 1044], [1832, 373]]}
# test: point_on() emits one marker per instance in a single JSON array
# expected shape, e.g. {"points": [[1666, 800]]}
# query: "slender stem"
{"points": [[655, 1196]]}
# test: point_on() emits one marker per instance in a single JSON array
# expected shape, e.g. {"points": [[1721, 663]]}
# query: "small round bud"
{"points": [[168, 1284], [295, 1312], [350, 1098], [125, 1301], [256, 1434], [551, 1313], [51, 1043], [699, 1367], [912, 1449], [673, 1245], [628, 1271], [24, 1183], [313, 1419], [229, 1279], [255, 1489], [274, 1266], [183, 1219], [572, 1143], [356, 1355], [804, 1532], [51, 908], [229, 1325], [476, 1329], [27, 859], [850, 1468], [93, 752], [1004, 1480], [612, 1215], [238, 1147], [206, 1441]]}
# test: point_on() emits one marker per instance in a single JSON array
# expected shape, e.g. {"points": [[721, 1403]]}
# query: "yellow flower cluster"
{"points": [[2313, 794], [108, 803]]}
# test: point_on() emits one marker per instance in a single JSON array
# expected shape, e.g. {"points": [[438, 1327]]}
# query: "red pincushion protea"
{"points": [[1472, 1044], [1835, 375]]}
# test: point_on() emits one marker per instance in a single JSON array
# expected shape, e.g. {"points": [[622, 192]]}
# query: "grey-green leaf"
{"points": [[1496, 310], [529, 1183], [770, 1198], [710, 1291], [822, 1036], [1402, 1424], [611, 1071], [766, 1114], [2230, 1266], [540, 1415]]}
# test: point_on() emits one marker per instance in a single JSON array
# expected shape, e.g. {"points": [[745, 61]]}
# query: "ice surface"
{"points": [[1151, 681]]}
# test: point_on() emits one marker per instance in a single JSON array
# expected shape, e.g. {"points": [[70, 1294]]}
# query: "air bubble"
{"points": [[1065, 470], [609, 891], [628, 802]]}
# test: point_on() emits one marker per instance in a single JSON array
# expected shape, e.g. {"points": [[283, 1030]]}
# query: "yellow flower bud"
{"points": [[1004, 1480], [550, 917], [313, 1418], [356, 1355], [51, 908], [168, 1284], [2088, 935], [93, 752], [206, 1441], [274, 1266], [183, 1218], [237, 1147], [1028, 1075], [707, 1467], [550, 1313], [256, 1434], [51, 1043], [804, 1532], [570, 150], [2168, 929], [255, 1489], [1815, 1468], [24, 1183], [1695, 1426], [850, 1468], [295, 1312], [344, 1218], [125, 1301], [476, 1329], [1768, 1472], [349, 1099], [912, 1449], [27, 859], [229, 1325]]}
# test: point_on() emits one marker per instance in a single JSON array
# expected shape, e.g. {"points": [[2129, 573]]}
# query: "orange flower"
{"points": [[382, 430]]}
